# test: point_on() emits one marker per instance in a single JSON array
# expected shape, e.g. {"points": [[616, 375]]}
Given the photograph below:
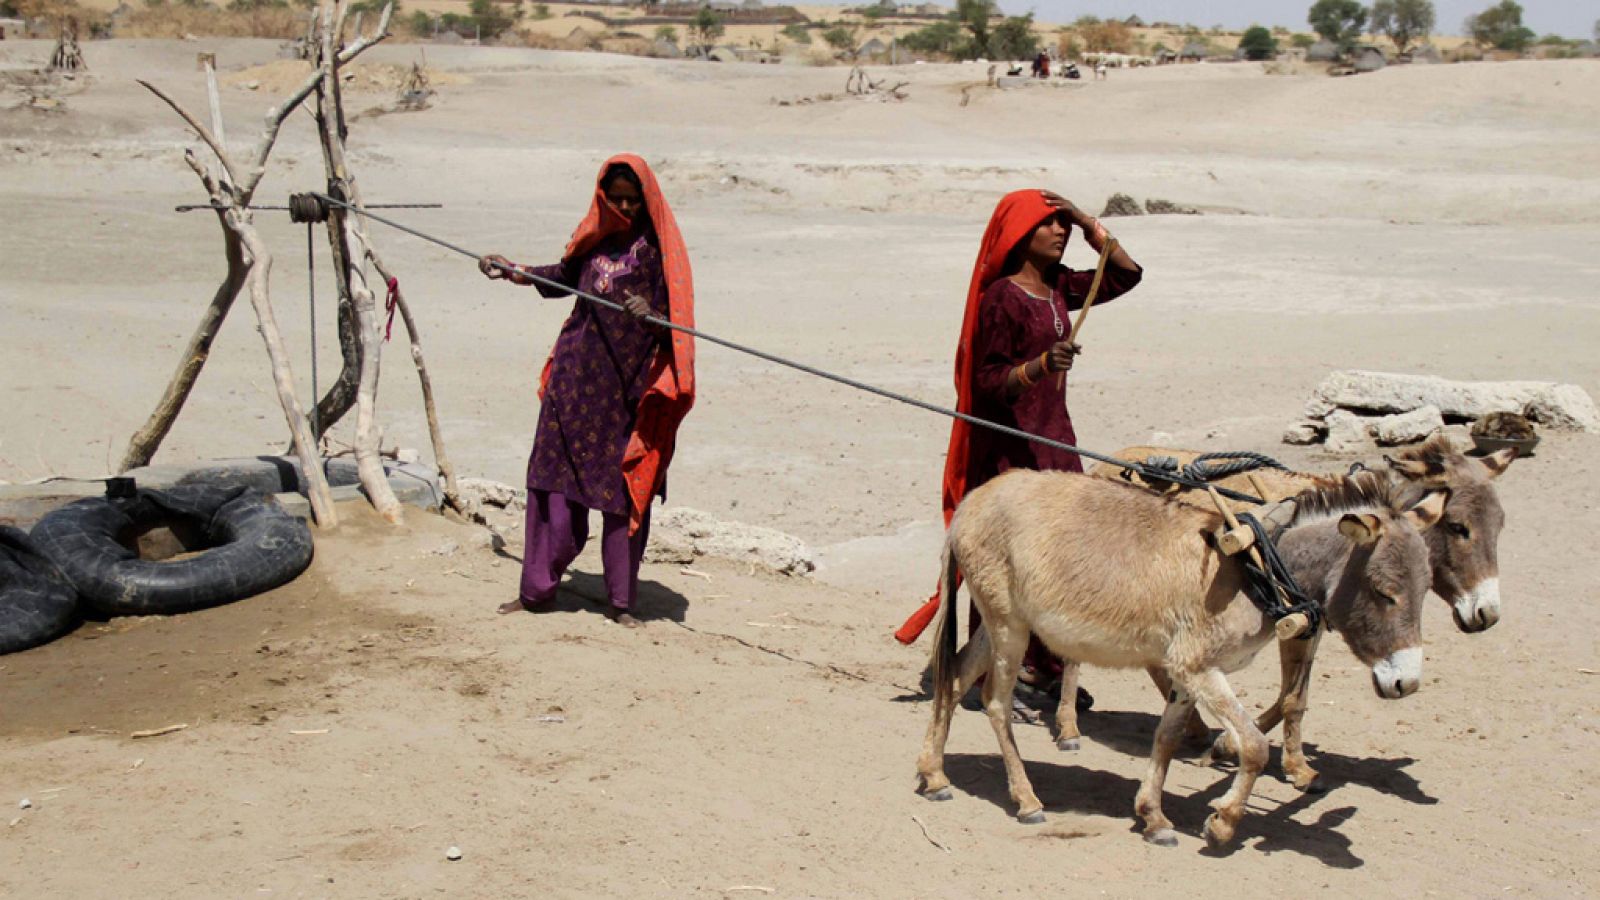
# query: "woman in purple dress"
{"points": [[603, 365]]}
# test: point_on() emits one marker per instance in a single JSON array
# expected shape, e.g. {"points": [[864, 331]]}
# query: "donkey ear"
{"points": [[1364, 529], [1428, 511], [1498, 461], [1425, 470]]}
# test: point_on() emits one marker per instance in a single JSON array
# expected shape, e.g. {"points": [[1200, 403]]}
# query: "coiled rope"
{"points": [[1142, 469], [1214, 466]]}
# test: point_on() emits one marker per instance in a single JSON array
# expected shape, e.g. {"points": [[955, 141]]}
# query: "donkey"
{"points": [[1462, 557], [1115, 576]]}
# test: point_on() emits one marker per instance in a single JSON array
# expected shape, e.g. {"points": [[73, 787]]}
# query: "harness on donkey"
{"points": [[1268, 582]]}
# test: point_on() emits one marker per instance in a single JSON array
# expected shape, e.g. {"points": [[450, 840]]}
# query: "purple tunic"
{"points": [[599, 371], [1014, 327]]}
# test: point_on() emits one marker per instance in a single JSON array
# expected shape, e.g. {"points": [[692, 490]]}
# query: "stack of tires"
{"points": [[241, 542]]}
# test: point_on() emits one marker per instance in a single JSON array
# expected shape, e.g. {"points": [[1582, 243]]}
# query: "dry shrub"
{"points": [[90, 21], [631, 46], [176, 21], [1109, 36]]}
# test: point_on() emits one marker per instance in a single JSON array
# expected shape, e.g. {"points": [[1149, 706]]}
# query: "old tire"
{"points": [[37, 603], [247, 545]]}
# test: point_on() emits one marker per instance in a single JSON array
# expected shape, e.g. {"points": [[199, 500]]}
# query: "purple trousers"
{"points": [[556, 530]]}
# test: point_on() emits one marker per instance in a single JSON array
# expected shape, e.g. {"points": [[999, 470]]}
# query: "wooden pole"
{"points": [[1289, 627], [1094, 292], [369, 463]]}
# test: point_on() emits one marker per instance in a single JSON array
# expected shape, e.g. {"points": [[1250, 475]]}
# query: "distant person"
{"points": [[614, 390], [1100, 70], [1013, 356], [1041, 65]]}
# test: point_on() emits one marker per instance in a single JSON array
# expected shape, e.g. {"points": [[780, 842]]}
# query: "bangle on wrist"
{"points": [[1044, 363], [1022, 376]]}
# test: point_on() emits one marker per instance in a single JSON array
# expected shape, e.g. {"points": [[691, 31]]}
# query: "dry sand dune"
{"points": [[762, 733]]}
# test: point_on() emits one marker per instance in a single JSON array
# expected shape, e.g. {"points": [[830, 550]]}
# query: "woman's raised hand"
{"points": [[495, 266], [1066, 206]]}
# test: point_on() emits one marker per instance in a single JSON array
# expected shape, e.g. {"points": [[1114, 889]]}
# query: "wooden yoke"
{"points": [[1242, 537]]}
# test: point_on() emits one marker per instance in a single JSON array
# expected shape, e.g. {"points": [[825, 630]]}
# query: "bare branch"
{"points": [[199, 129], [274, 121], [206, 179], [363, 42]]}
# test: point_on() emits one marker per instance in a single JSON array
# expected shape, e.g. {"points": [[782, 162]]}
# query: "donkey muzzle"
{"points": [[1398, 674], [1478, 609]]}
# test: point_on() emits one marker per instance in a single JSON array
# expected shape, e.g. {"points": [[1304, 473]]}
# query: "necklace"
{"points": [[1049, 301]]}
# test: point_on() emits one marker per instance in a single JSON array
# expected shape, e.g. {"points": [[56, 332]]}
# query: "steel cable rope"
{"points": [[802, 367]]}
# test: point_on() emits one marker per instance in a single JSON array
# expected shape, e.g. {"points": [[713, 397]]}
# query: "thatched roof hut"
{"points": [[1322, 51], [1368, 59]]}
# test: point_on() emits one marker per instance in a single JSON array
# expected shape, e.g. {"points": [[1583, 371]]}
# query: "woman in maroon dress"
{"points": [[613, 392], [1013, 357]]}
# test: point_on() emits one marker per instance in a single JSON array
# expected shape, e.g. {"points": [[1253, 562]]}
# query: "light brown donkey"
{"points": [[1114, 576], [1462, 556]]}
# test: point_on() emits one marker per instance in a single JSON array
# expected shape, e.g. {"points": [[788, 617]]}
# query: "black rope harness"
{"points": [[1273, 590], [1213, 466]]}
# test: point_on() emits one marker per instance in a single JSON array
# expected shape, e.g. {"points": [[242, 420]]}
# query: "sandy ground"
{"points": [[762, 732]]}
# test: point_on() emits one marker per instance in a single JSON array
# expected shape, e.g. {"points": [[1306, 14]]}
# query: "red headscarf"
{"points": [[1014, 219], [670, 392]]}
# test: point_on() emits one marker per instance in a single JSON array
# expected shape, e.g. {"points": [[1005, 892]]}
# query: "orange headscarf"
{"points": [[1015, 217], [670, 392]]}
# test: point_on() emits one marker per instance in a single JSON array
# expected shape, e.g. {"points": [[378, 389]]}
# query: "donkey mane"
{"points": [[1437, 452], [1333, 495]]}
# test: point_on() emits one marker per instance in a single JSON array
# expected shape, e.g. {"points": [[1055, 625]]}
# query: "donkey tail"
{"points": [[944, 638]]}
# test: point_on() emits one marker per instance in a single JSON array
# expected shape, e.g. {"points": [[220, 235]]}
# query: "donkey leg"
{"points": [[1147, 804], [1010, 644], [1194, 729], [1293, 656], [971, 663], [1292, 706], [1067, 734], [1214, 692]]}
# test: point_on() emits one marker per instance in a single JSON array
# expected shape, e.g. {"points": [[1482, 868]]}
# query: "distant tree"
{"points": [[1404, 21], [1086, 22], [1302, 40], [1014, 38], [1068, 46], [705, 28], [876, 12], [1501, 27], [797, 32], [541, 11], [489, 18], [974, 17], [1338, 21], [667, 33], [1258, 43], [941, 37]]}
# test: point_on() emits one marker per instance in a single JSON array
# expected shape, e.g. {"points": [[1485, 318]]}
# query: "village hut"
{"points": [[1194, 51], [1323, 52], [1369, 59]]}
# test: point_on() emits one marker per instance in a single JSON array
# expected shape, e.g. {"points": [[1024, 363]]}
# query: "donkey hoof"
{"points": [[1067, 745], [1031, 818], [941, 795], [1162, 837], [1218, 833]]}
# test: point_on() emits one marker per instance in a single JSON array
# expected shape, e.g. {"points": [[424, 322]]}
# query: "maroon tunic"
{"points": [[599, 371], [1014, 327]]}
